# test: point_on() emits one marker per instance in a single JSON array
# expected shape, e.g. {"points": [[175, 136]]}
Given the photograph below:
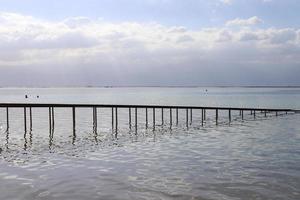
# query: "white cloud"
{"points": [[244, 22], [227, 2], [97, 47]]}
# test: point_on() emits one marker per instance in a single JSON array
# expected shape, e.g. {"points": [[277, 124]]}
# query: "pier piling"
{"points": [[7, 119], [171, 121], [112, 118], [129, 117], [116, 110], [217, 116], [30, 118], [25, 120], [176, 116], [162, 116], [146, 118], [74, 121], [202, 117], [153, 113], [136, 120], [115, 113]]}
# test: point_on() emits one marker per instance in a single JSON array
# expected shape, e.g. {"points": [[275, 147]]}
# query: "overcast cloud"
{"points": [[83, 51]]}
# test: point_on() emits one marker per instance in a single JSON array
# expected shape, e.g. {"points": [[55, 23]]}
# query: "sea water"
{"points": [[245, 159]]}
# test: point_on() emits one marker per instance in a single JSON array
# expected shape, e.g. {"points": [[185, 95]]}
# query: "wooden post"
{"points": [[153, 113], [25, 120], [204, 114], [136, 122], [146, 117], [50, 120], [176, 116], [7, 119], [254, 114], [96, 119], [112, 118], [242, 114], [162, 116], [30, 118], [74, 121], [129, 117], [217, 116], [171, 121], [229, 115], [202, 117], [52, 117], [276, 114], [116, 109], [265, 113]]}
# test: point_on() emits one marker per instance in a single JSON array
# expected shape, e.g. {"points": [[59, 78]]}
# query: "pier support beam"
{"points": [[242, 112], [129, 117], [229, 115], [7, 119], [53, 119], [112, 118], [116, 110], [50, 120], [95, 119], [74, 121], [202, 117], [171, 121], [265, 113], [30, 118], [25, 120], [136, 122], [162, 116], [176, 116], [217, 116], [146, 118], [153, 113]]}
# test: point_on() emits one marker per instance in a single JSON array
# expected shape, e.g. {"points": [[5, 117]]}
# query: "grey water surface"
{"points": [[246, 159]]}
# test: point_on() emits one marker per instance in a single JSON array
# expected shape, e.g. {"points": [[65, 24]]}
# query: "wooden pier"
{"points": [[135, 109]]}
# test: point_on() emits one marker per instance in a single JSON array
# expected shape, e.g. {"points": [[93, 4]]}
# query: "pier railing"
{"points": [[136, 108]]}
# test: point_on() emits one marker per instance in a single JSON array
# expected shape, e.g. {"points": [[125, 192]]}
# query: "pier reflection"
{"points": [[7, 139], [27, 141]]}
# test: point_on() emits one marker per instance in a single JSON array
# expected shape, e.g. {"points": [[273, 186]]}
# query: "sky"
{"points": [[149, 43]]}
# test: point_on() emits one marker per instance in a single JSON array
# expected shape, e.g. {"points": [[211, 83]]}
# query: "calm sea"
{"points": [[250, 159]]}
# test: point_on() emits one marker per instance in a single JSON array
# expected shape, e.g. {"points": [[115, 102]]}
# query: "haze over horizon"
{"points": [[150, 42]]}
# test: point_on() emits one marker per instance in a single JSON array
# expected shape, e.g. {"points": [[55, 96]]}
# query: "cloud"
{"points": [[227, 2], [244, 22], [85, 51], [282, 36]]}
